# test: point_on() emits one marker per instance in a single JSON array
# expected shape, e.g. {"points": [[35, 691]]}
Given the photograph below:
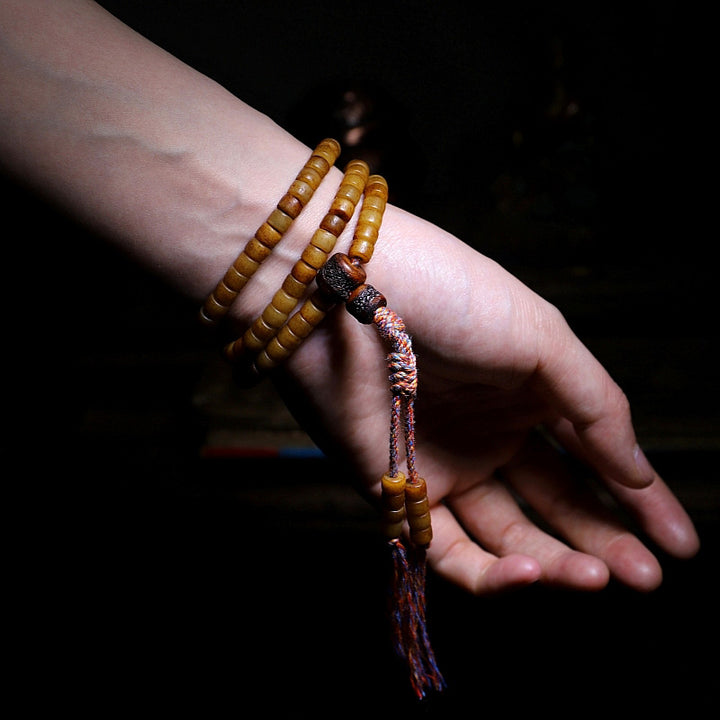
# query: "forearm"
{"points": [[151, 153]]}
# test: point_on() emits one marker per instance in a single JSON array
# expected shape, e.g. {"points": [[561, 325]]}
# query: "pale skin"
{"points": [[162, 161]]}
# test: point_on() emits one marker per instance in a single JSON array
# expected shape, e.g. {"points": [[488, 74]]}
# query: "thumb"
{"points": [[595, 414]]}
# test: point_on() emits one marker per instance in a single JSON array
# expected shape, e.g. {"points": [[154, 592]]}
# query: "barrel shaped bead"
{"points": [[418, 512]]}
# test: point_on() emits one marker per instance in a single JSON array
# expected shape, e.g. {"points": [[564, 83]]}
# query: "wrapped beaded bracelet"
{"points": [[278, 332], [270, 232]]}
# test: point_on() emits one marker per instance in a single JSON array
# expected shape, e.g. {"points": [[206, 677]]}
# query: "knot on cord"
{"points": [[403, 373], [401, 358]]}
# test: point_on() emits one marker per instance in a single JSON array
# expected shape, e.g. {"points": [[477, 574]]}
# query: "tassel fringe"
{"points": [[409, 624]]}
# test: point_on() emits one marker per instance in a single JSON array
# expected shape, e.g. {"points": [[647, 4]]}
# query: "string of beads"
{"points": [[277, 333], [270, 232], [314, 256], [287, 337]]}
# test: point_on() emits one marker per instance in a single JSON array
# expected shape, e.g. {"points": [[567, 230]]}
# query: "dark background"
{"points": [[159, 571]]}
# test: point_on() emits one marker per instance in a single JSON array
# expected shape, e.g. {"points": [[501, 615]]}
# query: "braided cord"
{"points": [[403, 384]]}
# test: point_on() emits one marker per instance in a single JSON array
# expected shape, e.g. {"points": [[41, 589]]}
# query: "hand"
{"points": [[512, 409], [156, 167]]}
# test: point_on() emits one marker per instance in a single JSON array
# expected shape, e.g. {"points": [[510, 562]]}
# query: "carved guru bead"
{"points": [[342, 278]]}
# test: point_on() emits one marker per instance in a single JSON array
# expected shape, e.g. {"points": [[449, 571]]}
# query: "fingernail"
{"points": [[645, 470]]}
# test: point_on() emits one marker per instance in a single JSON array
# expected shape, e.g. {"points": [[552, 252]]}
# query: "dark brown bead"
{"points": [[363, 302], [290, 205], [339, 276], [333, 224]]}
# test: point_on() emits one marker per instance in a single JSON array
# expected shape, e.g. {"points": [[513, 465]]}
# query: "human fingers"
{"points": [[547, 481], [655, 508], [491, 514], [579, 388], [460, 560]]}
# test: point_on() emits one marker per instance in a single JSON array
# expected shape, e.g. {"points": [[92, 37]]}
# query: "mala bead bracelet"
{"points": [[277, 333], [316, 252], [291, 335], [270, 232]]}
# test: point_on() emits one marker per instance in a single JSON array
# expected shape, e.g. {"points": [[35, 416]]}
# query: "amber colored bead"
{"points": [[233, 350], [377, 184], [314, 256], [224, 294], [364, 234], [235, 279], [287, 338], [340, 276], [211, 310], [343, 207], [268, 235], [393, 490], [314, 310], [328, 149], [243, 265], [284, 302], [369, 219], [324, 240], [281, 343], [319, 164], [303, 272], [298, 325], [351, 192], [257, 335], [362, 249], [356, 179], [256, 251], [393, 504], [273, 317], [374, 201], [311, 176], [302, 191], [279, 220], [418, 512], [370, 215], [264, 362], [293, 287]]}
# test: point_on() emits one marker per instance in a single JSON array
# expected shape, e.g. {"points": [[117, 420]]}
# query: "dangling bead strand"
{"points": [[418, 513], [393, 504]]}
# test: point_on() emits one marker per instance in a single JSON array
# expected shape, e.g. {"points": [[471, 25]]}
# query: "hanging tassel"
{"points": [[404, 498], [407, 499]]}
